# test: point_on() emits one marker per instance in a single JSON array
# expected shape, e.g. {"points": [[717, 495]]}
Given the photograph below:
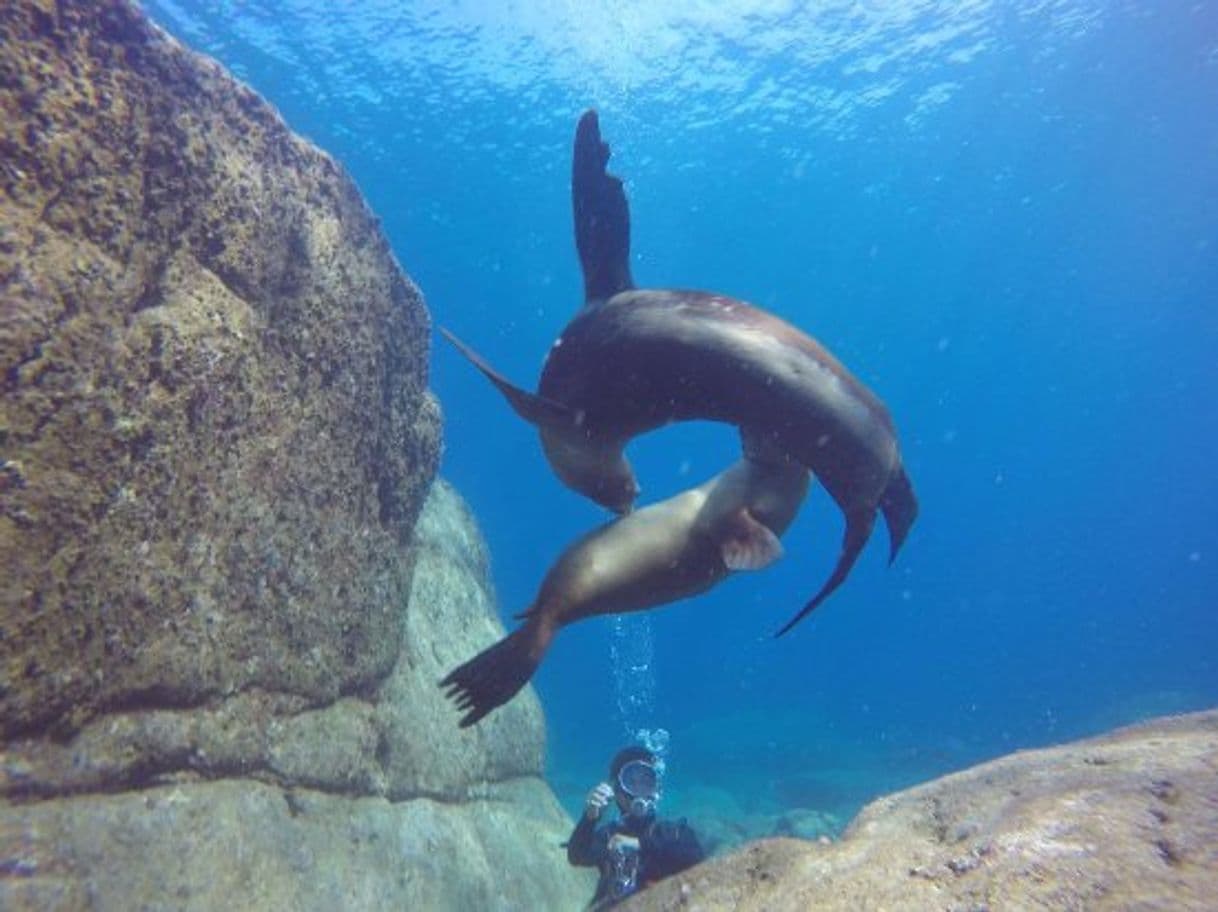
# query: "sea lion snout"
{"points": [[599, 472], [616, 490], [621, 497]]}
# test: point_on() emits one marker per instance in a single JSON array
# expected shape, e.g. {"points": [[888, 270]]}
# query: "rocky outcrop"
{"points": [[215, 432], [229, 584], [369, 803], [1124, 821], [231, 845], [398, 740]]}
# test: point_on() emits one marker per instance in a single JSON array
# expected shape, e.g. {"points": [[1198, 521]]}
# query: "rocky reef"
{"points": [[259, 802], [230, 580], [1128, 820], [216, 433]]}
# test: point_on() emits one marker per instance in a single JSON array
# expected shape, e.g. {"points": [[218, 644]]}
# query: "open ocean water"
{"points": [[1002, 216]]}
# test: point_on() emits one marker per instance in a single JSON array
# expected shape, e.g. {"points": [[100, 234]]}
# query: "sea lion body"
{"points": [[633, 360], [670, 550], [646, 358]]}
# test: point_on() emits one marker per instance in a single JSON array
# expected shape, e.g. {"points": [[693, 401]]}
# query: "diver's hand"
{"points": [[620, 842], [597, 799]]}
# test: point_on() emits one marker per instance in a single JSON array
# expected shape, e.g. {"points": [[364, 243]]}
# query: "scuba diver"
{"points": [[638, 849]]}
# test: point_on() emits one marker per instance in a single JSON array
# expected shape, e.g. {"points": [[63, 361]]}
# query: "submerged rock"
{"points": [[241, 845], [230, 585], [1123, 821], [366, 803], [215, 428]]}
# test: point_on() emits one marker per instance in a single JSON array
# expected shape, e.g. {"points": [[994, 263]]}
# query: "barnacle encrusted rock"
{"points": [[230, 580], [1128, 820], [214, 423], [259, 803], [399, 739]]}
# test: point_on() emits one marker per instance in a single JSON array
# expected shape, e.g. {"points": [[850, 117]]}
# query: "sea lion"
{"points": [[634, 359], [658, 554]]}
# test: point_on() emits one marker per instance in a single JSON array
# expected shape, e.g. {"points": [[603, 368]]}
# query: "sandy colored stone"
{"points": [[1126, 821], [244, 845], [218, 664], [215, 435], [452, 617], [399, 740], [410, 810]]}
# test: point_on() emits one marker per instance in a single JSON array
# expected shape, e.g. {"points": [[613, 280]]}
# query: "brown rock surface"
{"points": [[240, 845], [1123, 821], [375, 802], [399, 739], [215, 434], [229, 583]]}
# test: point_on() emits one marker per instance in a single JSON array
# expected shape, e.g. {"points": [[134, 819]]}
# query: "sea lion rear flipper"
{"points": [[535, 409], [497, 674], [858, 530], [749, 544], [602, 216], [900, 507]]}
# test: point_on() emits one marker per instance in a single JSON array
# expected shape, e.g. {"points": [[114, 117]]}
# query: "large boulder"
{"points": [[229, 582], [233, 845], [372, 802], [214, 422], [1124, 821], [399, 739]]}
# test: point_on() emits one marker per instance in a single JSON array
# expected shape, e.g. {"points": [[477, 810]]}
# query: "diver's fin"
{"points": [[900, 507], [602, 216], [497, 674], [535, 409], [858, 530], [749, 544]]}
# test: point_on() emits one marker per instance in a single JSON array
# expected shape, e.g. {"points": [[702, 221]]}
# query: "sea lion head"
{"points": [[597, 470]]}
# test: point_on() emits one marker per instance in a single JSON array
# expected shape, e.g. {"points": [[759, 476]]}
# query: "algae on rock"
{"points": [[222, 619], [214, 422], [374, 803], [1127, 820]]}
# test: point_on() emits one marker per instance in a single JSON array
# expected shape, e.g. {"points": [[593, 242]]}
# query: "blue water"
{"points": [[1002, 216]]}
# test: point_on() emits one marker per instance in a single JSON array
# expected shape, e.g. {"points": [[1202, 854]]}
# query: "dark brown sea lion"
{"points": [[658, 554], [633, 360]]}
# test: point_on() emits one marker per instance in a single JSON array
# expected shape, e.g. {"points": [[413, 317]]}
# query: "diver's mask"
{"points": [[640, 783]]}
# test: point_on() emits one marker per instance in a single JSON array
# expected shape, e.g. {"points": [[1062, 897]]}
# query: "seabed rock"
{"points": [[1124, 821], [230, 580]]}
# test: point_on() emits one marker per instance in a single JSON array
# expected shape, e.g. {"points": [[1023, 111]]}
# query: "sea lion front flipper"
{"points": [[602, 215], [749, 544], [858, 530], [498, 673], [535, 409]]}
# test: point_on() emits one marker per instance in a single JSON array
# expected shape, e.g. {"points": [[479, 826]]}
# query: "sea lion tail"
{"points": [[497, 674], [535, 409], [900, 508], [858, 530], [602, 215]]}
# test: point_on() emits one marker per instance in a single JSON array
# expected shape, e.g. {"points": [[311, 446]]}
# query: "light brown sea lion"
{"points": [[667, 551], [633, 360]]}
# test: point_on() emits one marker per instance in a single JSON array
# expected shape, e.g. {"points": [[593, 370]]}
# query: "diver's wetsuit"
{"points": [[665, 848]]}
